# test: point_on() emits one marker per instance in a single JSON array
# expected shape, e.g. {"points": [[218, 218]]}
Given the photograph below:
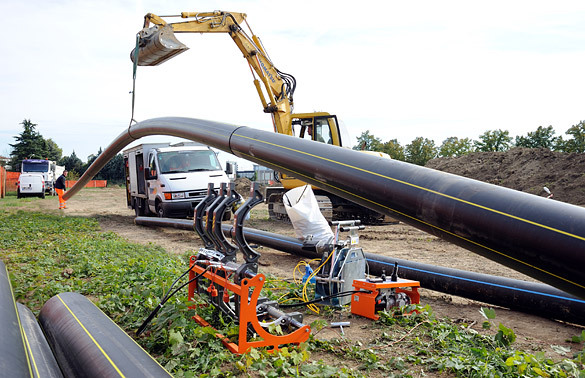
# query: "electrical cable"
{"points": [[167, 297], [321, 299], [312, 307]]}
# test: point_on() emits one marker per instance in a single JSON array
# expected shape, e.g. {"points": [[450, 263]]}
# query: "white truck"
{"points": [[170, 180], [47, 168], [30, 184]]}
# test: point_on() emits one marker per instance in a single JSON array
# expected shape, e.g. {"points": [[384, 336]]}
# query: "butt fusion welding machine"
{"points": [[233, 288], [342, 278]]}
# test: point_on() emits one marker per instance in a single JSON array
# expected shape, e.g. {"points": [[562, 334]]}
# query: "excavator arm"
{"points": [[157, 43], [275, 88]]}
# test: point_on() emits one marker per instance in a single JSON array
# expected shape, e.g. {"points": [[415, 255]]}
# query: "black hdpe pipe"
{"points": [[529, 297], [542, 238], [86, 343], [267, 239], [13, 356], [42, 359]]}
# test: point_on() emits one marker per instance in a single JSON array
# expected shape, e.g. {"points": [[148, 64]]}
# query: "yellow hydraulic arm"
{"points": [[274, 87], [157, 43]]}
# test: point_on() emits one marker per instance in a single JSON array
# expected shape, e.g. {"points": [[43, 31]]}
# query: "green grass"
{"points": [[50, 254]]}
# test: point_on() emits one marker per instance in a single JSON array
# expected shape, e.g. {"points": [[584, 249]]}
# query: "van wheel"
{"points": [[139, 206], [160, 212], [18, 195]]}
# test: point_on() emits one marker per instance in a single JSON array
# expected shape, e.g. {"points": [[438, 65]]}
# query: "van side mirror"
{"points": [[150, 174], [229, 168]]}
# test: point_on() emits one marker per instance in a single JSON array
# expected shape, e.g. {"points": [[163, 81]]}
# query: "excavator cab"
{"points": [[321, 128]]}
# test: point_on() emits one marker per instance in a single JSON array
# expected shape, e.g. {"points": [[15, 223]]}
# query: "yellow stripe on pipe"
{"points": [[91, 337], [408, 184], [22, 335], [416, 219], [34, 363]]}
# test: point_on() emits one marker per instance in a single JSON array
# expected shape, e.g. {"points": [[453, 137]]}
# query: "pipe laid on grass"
{"points": [[530, 297], [14, 359], [42, 359], [87, 343], [268, 239]]}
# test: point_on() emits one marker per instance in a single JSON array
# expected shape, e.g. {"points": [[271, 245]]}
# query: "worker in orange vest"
{"points": [[60, 187]]}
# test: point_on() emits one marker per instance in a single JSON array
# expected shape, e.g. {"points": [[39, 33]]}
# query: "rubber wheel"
{"points": [[18, 195], [160, 212], [139, 207]]}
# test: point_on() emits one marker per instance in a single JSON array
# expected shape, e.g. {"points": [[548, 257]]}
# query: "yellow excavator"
{"points": [[156, 43]]}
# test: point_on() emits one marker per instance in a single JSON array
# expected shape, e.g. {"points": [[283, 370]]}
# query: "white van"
{"points": [[30, 184], [170, 180]]}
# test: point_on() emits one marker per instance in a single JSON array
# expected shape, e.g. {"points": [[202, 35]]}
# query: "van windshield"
{"points": [[187, 161], [35, 166]]}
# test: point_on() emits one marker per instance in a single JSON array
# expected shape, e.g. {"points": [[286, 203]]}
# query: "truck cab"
{"points": [[170, 180], [48, 169]]}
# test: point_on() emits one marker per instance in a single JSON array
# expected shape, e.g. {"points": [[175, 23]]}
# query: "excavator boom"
{"points": [[275, 88], [157, 43]]}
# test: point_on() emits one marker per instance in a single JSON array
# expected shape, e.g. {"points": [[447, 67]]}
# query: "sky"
{"points": [[399, 69]]}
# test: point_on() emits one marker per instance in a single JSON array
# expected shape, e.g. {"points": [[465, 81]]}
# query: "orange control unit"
{"points": [[364, 303]]}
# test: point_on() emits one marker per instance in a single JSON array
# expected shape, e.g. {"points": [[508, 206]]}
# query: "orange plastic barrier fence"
{"points": [[11, 180], [91, 184], [8, 181], [2, 182]]}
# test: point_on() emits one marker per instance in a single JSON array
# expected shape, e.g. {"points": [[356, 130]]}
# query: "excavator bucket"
{"points": [[157, 45]]}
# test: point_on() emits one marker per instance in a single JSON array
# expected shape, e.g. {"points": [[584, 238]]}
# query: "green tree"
{"points": [[576, 143], [113, 171], [420, 151], [72, 164], [54, 153], [453, 146], [394, 149], [543, 137], [29, 144], [493, 140], [368, 142]]}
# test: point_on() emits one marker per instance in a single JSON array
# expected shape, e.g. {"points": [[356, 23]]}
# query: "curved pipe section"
{"points": [[541, 238], [42, 360], [529, 297], [86, 343], [13, 355]]}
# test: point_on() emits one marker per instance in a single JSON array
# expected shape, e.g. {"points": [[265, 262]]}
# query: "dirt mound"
{"points": [[243, 185], [524, 169]]}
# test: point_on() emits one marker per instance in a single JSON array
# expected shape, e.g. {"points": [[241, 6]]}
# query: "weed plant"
{"points": [[50, 254]]}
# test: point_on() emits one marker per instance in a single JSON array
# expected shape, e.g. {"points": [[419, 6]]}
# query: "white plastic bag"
{"points": [[303, 210]]}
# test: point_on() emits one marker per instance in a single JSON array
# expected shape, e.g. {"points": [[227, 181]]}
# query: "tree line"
{"points": [[30, 144], [421, 149]]}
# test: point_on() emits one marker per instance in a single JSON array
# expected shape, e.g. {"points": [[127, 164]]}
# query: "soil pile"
{"points": [[524, 169], [243, 185]]}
